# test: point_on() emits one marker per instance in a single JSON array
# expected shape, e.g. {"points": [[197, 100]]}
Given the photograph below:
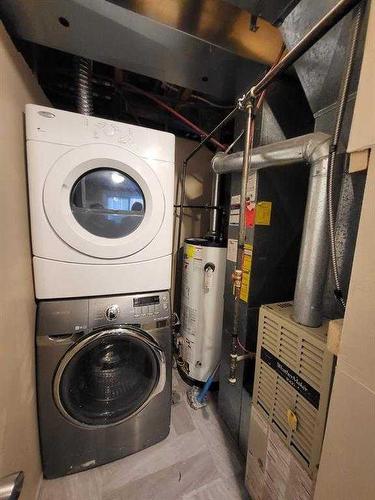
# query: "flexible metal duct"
{"points": [[311, 149], [84, 94]]}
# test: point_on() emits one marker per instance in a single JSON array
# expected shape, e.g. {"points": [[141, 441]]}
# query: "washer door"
{"points": [[109, 377], [104, 201]]}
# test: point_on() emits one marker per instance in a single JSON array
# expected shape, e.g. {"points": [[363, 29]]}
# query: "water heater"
{"points": [[201, 307]]}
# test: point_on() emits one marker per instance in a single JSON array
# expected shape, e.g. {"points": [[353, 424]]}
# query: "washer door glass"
{"points": [[107, 203], [108, 379]]}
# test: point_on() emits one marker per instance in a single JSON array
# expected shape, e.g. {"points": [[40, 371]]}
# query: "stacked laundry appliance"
{"points": [[101, 211]]}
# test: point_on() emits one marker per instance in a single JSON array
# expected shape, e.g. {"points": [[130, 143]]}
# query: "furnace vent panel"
{"points": [[293, 377]]}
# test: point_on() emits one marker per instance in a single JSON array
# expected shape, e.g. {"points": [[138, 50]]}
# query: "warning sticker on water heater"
{"points": [[193, 252], [190, 251]]}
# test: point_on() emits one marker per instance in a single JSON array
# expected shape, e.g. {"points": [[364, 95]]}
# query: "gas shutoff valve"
{"points": [[237, 279]]}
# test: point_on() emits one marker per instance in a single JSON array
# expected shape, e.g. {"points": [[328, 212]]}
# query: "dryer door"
{"points": [[109, 377], [104, 201]]}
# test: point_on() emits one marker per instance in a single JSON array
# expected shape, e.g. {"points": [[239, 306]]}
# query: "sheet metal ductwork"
{"points": [[320, 71], [310, 149], [185, 43]]}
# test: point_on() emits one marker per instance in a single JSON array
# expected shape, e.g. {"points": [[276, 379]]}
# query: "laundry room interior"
{"points": [[187, 241]]}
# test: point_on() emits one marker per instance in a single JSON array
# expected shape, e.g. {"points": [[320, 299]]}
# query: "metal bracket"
{"points": [[247, 100]]}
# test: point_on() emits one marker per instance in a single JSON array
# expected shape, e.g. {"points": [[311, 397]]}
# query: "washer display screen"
{"points": [[146, 301]]}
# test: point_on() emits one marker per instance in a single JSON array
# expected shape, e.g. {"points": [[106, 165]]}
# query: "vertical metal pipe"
{"points": [[182, 203], [232, 379], [214, 215], [313, 258]]}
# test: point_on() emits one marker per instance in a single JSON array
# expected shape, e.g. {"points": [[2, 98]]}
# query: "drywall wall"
{"points": [[362, 135], [346, 469], [19, 449], [198, 192]]}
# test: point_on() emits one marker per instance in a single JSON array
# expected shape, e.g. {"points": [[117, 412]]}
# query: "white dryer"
{"points": [[101, 205]]}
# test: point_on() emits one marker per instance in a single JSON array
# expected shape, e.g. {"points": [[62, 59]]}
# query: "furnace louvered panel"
{"points": [[293, 377]]}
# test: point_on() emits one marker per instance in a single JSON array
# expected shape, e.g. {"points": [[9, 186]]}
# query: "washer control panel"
{"points": [[131, 309], [151, 306]]}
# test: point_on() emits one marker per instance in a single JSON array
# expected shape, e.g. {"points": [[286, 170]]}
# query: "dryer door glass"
{"points": [[108, 380], [107, 203]]}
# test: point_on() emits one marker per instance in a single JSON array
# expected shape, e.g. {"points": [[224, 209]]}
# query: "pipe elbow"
{"points": [[317, 148], [216, 160]]}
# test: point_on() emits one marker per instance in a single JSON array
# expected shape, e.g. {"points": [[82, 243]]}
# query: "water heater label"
{"points": [[286, 373]]}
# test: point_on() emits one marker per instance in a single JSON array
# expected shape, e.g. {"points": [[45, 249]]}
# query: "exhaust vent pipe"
{"points": [[214, 214], [313, 150], [84, 92]]}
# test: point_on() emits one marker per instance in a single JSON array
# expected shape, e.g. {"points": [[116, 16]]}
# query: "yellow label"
{"points": [[263, 213], [190, 251], [245, 286], [246, 269], [292, 419], [247, 258]]}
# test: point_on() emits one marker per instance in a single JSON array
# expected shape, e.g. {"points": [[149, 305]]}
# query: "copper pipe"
{"points": [[175, 113]]}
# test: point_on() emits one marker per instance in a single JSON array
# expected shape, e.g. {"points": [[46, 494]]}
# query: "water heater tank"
{"points": [[201, 307]]}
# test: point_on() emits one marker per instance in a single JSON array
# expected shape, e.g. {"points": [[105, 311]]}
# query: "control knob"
{"points": [[112, 312]]}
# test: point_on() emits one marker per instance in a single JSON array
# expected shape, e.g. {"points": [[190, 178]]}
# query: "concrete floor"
{"points": [[198, 461]]}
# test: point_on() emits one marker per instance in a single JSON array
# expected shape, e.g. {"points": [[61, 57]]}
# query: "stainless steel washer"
{"points": [[103, 378]]}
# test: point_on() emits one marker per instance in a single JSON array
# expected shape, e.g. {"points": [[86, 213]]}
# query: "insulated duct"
{"points": [[313, 150], [84, 93]]}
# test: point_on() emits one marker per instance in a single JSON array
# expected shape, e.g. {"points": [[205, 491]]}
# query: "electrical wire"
{"points": [[234, 142], [342, 99]]}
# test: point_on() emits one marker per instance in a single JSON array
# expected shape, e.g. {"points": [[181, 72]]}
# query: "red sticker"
{"points": [[250, 214]]}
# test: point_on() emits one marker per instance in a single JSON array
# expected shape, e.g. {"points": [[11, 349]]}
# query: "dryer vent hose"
{"points": [[84, 92]]}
